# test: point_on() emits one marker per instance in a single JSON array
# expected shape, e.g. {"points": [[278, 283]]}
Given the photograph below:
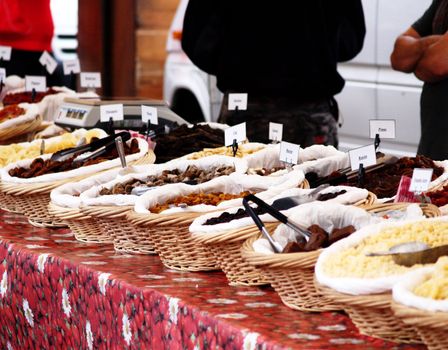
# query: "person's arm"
{"points": [[433, 65], [409, 48]]}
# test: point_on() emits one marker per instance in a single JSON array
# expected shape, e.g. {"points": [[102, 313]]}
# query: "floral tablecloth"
{"points": [[57, 293]]}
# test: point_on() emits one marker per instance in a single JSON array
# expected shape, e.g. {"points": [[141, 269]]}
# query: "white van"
{"points": [[372, 91]]}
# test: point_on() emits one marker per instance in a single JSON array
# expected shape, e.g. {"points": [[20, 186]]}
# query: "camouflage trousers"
{"points": [[304, 123]]}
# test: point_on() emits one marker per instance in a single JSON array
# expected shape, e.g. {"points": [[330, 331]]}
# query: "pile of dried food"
{"points": [[40, 167], [319, 239], [213, 198], [264, 171], [10, 112], [385, 180], [192, 176], [440, 197], [185, 140], [20, 97]]}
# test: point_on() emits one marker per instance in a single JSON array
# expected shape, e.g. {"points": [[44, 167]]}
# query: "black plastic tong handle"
{"points": [[275, 246], [276, 214], [91, 147], [269, 209]]}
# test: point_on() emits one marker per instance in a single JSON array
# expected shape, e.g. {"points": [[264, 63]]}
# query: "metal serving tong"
{"points": [[412, 253], [276, 214], [102, 145]]}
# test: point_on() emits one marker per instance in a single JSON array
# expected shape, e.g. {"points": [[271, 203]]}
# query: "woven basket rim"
{"points": [[64, 212], [381, 300], [277, 260], [20, 129], [104, 211], [418, 317], [427, 208], [239, 234]]}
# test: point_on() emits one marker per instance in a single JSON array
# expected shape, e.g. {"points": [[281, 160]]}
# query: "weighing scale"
{"points": [[85, 113]]}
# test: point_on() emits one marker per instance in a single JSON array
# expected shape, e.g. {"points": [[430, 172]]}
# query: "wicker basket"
{"points": [[226, 247], [431, 326], [373, 315], [173, 242], [369, 201], [429, 210], [114, 223], [33, 199], [7, 203], [84, 227], [6, 135], [292, 276]]}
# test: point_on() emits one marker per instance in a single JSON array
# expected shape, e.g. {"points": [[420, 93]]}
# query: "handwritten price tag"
{"points": [[150, 114], [275, 132], [5, 53], [385, 128], [2, 75], [48, 62], [91, 80], [71, 67], [237, 132], [421, 178], [114, 111], [363, 155], [35, 82], [237, 101], [289, 152]]}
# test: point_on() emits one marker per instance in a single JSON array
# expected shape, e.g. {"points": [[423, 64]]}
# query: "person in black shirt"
{"points": [[283, 54], [423, 50]]}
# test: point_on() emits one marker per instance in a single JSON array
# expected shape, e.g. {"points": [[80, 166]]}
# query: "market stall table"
{"points": [[56, 292]]}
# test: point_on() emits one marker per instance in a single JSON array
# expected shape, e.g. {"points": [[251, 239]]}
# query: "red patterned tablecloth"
{"points": [[57, 293]]}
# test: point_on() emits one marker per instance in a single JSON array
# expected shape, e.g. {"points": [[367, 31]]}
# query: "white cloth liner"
{"points": [[83, 171], [31, 114], [353, 195], [269, 156], [92, 196], [12, 82], [264, 186], [402, 292], [327, 215], [49, 105], [325, 166], [361, 286], [68, 195]]}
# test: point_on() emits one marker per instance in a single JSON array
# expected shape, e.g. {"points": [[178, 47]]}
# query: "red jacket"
{"points": [[26, 24]]}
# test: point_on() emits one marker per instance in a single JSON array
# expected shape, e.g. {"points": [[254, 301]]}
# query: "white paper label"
{"points": [[237, 132], [237, 101], [385, 128], [48, 62], [363, 155], [2, 75], [289, 152], [71, 66], [114, 111], [35, 82], [91, 80], [275, 132], [150, 114], [5, 53], [421, 178]]}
